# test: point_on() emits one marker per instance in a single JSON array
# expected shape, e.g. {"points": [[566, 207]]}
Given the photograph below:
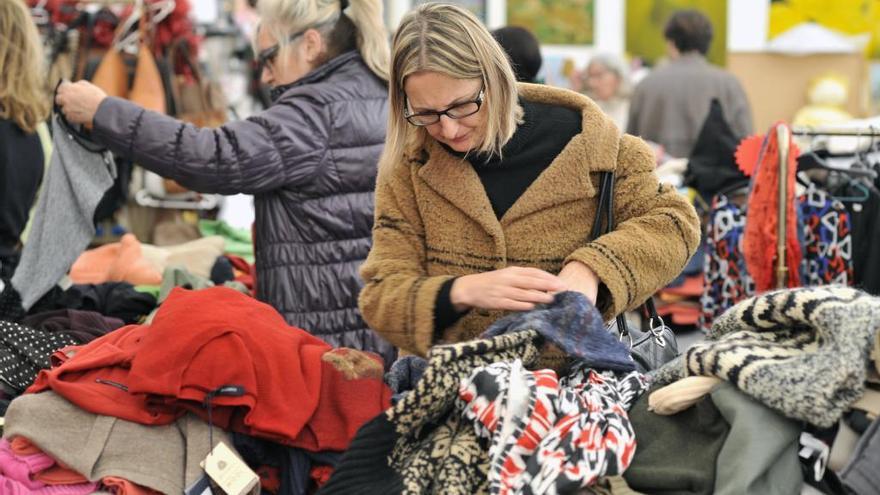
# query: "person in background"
{"points": [[309, 159], [487, 191], [606, 81], [670, 105], [523, 50], [24, 136]]}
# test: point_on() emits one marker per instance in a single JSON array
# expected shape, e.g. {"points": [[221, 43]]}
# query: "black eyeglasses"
{"points": [[268, 56], [457, 111]]}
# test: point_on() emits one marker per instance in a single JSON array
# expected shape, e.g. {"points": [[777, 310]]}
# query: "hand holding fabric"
{"points": [[79, 101], [512, 289]]}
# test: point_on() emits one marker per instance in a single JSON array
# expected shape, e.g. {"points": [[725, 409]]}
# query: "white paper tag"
{"points": [[229, 472]]}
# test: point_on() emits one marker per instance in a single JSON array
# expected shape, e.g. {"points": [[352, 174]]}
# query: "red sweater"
{"points": [[202, 340]]}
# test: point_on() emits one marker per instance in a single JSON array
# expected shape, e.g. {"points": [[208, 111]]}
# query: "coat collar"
{"points": [[565, 180], [318, 74]]}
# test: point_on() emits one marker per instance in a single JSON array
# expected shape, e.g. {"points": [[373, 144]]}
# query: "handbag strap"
{"points": [[605, 214]]}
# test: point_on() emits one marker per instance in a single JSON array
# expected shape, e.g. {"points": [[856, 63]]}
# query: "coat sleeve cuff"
{"points": [[422, 301], [616, 296], [445, 314]]}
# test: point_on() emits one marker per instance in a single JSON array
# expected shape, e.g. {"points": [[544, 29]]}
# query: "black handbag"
{"points": [[655, 347]]}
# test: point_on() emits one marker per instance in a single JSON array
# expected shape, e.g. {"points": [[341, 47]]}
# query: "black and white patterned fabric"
{"points": [[24, 352], [802, 352], [549, 434]]}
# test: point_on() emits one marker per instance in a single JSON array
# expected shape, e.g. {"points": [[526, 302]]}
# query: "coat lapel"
{"points": [[567, 179], [457, 182]]}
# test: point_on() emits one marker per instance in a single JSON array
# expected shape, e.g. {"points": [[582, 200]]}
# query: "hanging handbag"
{"points": [[657, 346], [197, 100]]}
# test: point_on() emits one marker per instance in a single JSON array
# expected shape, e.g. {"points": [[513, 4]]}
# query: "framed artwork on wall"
{"points": [[555, 22], [645, 20]]}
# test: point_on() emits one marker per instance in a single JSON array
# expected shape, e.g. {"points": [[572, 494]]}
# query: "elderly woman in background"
{"points": [[606, 81]]}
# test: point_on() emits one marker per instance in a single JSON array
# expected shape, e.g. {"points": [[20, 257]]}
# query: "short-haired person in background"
{"points": [[309, 159], [670, 105], [523, 50], [487, 191]]}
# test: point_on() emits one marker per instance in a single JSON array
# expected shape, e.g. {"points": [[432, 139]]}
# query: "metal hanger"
{"points": [[863, 193], [40, 15]]}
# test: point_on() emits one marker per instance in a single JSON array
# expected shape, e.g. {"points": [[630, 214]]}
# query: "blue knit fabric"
{"points": [[404, 374], [576, 327]]}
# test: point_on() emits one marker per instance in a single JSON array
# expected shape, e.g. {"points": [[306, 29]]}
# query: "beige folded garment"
{"points": [[680, 395]]}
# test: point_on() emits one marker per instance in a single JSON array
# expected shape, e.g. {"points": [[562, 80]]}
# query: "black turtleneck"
{"points": [[545, 131]]}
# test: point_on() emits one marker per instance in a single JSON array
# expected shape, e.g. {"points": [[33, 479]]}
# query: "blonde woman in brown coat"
{"points": [[487, 191]]}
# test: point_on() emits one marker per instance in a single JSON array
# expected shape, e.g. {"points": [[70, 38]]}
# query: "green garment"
{"points": [[153, 290], [676, 454], [760, 455], [239, 242]]}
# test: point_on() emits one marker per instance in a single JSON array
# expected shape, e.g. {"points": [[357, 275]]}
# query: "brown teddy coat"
{"points": [[433, 221]]}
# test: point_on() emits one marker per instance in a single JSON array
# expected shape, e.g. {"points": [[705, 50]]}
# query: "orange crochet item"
{"points": [[762, 218], [117, 262], [748, 152], [22, 446], [121, 486], [55, 475]]}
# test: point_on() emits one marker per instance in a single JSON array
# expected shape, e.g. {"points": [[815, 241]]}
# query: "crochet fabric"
{"points": [[437, 451], [547, 434], [802, 352], [759, 243]]}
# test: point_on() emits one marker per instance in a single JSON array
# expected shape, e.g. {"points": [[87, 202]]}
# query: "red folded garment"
{"points": [[54, 475], [244, 271], [352, 393], [120, 486], [292, 390], [692, 286], [96, 378]]}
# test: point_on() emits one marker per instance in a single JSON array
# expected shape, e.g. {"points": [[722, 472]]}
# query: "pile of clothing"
{"points": [[781, 395], [808, 359], [141, 404], [478, 420]]}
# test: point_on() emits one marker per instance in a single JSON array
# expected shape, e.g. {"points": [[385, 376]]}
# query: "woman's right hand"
{"points": [[79, 101], [512, 289]]}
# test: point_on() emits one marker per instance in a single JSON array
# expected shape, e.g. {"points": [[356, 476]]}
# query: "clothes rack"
{"points": [[858, 132], [782, 133]]}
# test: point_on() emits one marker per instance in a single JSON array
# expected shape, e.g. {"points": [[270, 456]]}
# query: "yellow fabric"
{"points": [[46, 143], [433, 221]]}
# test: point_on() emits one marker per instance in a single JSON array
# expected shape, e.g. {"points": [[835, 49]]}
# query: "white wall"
{"points": [[747, 22]]}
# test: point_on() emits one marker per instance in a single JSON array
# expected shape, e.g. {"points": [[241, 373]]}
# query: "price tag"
{"points": [[229, 472]]}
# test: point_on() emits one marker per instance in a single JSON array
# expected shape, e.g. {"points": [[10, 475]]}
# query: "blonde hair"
{"points": [[22, 85], [449, 40], [361, 26]]}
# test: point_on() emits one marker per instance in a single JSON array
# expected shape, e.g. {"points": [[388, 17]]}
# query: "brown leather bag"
{"points": [[147, 89], [112, 75], [196, 100]]}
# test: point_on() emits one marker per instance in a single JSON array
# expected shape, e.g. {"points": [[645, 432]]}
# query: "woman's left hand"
{"points": [[581, 278], [79, 101]]}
